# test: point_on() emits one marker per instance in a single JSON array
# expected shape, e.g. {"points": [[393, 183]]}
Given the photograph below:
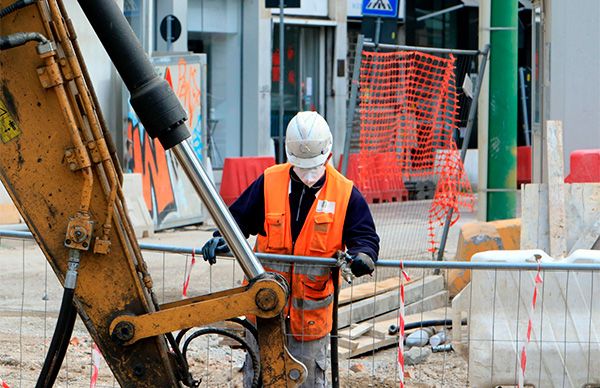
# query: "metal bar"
{"points": [[524, 111], [218, 210], [477, 265], [422, 49], [465, 145], [440, 12], [281, 78], [335, 363], [352, 103]]}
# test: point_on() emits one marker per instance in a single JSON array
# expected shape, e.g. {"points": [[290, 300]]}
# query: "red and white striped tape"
{"points": [[96, 357], [523, 355], [404, 278], [3, 384], [186, 283]]}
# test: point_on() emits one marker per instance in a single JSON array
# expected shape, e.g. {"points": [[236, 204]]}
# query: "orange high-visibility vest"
{"points": [[311, 301]]}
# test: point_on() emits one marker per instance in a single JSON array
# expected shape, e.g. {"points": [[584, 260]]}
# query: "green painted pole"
{"points": [[502, 143]]}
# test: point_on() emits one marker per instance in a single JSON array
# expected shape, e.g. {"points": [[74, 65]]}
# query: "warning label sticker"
{"points": [[8, 126]]}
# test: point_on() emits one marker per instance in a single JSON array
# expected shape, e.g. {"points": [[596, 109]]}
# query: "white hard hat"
{"points": [[308, 140]]}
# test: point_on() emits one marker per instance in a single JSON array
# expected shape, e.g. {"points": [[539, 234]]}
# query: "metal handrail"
{"points": [[423, 264], [422, 49]]}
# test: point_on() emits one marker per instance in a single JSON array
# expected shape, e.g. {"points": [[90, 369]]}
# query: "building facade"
{"points": [[241, 41]]}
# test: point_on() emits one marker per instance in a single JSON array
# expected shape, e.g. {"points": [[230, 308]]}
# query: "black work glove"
{"points": [[213, 247], [362, 264]]}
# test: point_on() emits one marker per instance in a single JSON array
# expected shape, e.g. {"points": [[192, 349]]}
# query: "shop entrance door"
{"points": [[304, 78]]}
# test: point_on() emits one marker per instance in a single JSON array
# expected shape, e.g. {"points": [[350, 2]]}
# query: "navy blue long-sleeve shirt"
{"points": [[358, 235]]}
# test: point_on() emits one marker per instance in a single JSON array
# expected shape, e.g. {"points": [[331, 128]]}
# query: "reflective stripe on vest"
{"points": [[321, 235], [308, 304], [279, 267]]}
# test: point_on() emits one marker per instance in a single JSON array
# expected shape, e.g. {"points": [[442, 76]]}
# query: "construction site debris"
{"points": [[356, 368], [419, 337], [421, 295], [367, 290], [438, 338], [442, 348], [416, 355]]}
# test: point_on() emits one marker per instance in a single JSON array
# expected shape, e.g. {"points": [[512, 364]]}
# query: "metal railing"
{"points": [[495, 305]]}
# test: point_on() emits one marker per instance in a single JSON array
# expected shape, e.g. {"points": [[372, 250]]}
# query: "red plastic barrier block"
{"points": [[392, 183], [585, 166], [361, 170], [377, 176], [523, 165], [239, 173]]}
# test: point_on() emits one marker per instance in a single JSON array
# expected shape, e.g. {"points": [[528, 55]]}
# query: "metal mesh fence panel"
{"points": [[546, 316], [411, 110]]}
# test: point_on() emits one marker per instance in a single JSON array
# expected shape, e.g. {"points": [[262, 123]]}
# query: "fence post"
{"points": [[352, 102], [335, 367], [465, 144]]}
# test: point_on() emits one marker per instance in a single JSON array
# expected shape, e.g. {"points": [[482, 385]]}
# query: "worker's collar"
{"points": [[294, 180]]}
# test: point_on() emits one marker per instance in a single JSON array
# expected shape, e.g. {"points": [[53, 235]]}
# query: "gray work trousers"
{"points": [[313, 354]]}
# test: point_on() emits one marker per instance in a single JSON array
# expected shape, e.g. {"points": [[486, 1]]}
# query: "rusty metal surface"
{"points": [[279, 368], [54, 117]]}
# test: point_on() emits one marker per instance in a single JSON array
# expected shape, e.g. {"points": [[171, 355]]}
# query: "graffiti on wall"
{"points": [[168, 193]]}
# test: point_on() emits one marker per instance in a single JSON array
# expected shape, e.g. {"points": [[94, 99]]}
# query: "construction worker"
{"points": [[305, 207]]}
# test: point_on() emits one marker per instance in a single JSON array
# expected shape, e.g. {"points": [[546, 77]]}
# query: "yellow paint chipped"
{"points": [[9, 129]]}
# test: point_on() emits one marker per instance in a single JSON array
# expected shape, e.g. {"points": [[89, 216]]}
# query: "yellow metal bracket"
{"points": [[263, 298]]}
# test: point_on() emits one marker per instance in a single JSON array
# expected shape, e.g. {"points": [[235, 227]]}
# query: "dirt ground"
{"points": [[30, 298]]}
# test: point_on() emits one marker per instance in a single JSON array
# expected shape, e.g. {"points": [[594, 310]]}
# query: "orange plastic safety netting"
{"points": [[408, 116]]}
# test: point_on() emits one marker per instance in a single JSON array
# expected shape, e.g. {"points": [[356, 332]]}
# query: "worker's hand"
{"points": [[361, 264], [213, 247]]}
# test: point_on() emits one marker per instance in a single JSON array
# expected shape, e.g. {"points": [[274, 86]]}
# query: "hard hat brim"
{"points": [[308, 163]]}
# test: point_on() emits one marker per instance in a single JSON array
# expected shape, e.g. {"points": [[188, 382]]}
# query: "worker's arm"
{"points": [[359, 235], [249, 213], [249, 209]]}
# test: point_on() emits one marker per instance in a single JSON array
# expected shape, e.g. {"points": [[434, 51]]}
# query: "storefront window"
{"points": [[303, 78], [134, 13]]}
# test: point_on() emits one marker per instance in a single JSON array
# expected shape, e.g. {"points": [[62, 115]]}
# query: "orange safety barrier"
{"points": [[523, 165], [585, 166], [239, 173], [375, 189], [408, 115]]}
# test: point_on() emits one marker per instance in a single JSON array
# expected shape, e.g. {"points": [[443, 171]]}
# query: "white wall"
{"points": [[575, 72], [217, 23], [179, 9], [336, 109], [256, 78]]}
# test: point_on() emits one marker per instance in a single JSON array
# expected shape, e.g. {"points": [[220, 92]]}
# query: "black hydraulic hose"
{"points": [[256, 379], [240, 321], [15, 6], [64, 326], [184, 369], [19, 39], [247, 325], [432, 322], [152, 98], [393, 329], [60, 341]]}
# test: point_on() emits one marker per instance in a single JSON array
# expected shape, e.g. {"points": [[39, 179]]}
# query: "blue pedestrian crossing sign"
{"points": [[380, 8]]}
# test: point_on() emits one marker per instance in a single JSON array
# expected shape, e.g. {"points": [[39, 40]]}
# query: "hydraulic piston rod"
{"points": [[218, 210]]}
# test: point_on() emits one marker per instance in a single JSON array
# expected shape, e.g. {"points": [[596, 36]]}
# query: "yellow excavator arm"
{"points": [[60, 167]]}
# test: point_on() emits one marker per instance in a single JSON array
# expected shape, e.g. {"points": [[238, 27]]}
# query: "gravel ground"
{"points": [[30, 298]]}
